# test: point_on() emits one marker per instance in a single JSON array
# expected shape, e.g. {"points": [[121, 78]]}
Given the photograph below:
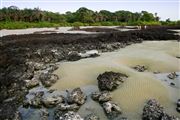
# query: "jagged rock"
{"points": [[140, 68], [32, 83], [76, 96], [154, 111], [101, 96], [70, 115], [73, 56], [111, 109], [44, 114], [52, 101], [48, 79], [110, 80], [172, 75], [91, 117]]}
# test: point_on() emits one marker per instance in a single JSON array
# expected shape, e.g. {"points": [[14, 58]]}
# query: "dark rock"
{"points": [[111, 109], [110, 80], [76, 96], [17, 116], [178, 103], [103, 96], [154, 111], [73, 56], [173, 84], [36, 102], [140, 68], [48, 79], [91, 117]]}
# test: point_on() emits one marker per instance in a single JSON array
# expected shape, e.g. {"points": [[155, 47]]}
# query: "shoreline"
{"points": [[19, 50]]}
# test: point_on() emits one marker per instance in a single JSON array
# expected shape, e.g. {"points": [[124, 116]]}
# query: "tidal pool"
{"points": [[158, 56]]}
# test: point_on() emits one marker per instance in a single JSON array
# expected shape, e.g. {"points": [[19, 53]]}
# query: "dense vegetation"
{"points": [[12, 17]]}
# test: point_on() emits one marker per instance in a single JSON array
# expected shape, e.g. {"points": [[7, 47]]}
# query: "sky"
{"points": [[164, 8]]}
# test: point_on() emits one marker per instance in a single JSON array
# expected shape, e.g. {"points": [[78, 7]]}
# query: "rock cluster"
{"points": [[154, 111], [110, 80]]}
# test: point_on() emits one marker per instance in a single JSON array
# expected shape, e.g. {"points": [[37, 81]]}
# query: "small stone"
{"points": [[101, 96], [52, 101], [91, 117]]}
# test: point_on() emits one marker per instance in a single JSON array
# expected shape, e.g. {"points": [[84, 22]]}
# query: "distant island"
{"points": [[14, 18]]}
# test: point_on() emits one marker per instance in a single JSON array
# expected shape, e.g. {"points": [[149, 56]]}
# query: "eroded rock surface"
{"points": [[110, 80]]}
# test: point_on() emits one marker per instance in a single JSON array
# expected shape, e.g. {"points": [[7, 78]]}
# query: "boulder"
{"points": [[103, 96], [111, 109], [76, 96], [110, 80], [37, 100]]}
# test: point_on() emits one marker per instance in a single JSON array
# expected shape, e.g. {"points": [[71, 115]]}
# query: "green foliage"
{"points": [[14, 18]]}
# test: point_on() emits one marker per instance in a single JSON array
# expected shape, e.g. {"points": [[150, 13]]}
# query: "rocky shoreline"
{"points": [[28, 61]]}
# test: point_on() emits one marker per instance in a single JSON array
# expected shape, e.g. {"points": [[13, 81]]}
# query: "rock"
{"points": [[173, 84], [91, 117], [52, 101], [140, 68], [172, 75], [154, 111], [178, 106], [48, 79], [73, 56], [31, 83], [178, 103], [101, 96], [111, 109], [76, 96], [67, 107], [70, 116], [110, 80], [37, 100], [44, 114]]}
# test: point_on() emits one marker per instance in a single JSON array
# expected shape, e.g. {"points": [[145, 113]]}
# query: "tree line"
{"points": [[12, 18], [83, 15]]}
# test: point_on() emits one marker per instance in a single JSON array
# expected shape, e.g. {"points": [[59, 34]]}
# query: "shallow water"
{"points": [[157, 56]]}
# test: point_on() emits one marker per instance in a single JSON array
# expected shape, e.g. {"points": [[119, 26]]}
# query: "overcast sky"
{"points": [[164, 8]]}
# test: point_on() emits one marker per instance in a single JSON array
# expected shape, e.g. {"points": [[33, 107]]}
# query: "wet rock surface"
{"points": [[101, 96], [24, 57], [76, 96], [154, 111], [69, 116], [91, 117], [110, 80], [111, 109]]}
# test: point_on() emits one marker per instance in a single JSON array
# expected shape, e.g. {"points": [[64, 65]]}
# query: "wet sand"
{"points": [[157, 56]]}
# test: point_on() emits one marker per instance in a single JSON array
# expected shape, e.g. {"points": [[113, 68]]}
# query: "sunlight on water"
{"points": [[157, 56]]}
